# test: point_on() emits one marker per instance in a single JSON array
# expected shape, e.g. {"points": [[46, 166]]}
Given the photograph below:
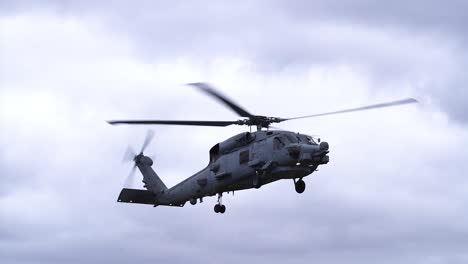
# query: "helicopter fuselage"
{"points": [[249, 160]]}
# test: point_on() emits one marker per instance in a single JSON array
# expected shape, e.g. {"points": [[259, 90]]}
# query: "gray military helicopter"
{"points": [[245, 161]]}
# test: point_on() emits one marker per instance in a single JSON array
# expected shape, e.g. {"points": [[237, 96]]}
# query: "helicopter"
{"points": [[248, 160]]}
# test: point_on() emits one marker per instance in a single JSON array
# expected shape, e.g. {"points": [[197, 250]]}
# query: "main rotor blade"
{"points": [[382, 105], [208, 89], [149, 137], [173, 122]]}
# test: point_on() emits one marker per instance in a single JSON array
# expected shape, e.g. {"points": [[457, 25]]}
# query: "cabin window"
{"points": [[244, 156], [277, 143]]}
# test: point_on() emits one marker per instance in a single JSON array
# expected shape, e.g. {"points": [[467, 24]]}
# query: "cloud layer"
{"points": [[394, 190]]}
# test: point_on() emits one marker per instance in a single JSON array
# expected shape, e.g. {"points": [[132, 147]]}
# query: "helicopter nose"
{"points": [[324, 145], [309, 154]]}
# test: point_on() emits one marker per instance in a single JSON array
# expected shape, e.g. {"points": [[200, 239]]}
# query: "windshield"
{"points": [[311, 140], [278, 143], [291, 138], [306, 139]]}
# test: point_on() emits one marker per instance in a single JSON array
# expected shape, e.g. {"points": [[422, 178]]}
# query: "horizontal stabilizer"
{"points": [[136, 196]]}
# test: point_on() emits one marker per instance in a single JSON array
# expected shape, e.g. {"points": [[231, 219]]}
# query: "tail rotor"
{"points": [[131, 156]]}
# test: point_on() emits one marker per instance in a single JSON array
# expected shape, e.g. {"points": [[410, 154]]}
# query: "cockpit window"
{"points": [[277, 143], [291, 138], [306, 139], [311, 140]]}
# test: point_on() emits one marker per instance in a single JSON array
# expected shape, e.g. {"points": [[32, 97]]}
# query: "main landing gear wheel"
{"points": [[300, 186], [220, 208]]}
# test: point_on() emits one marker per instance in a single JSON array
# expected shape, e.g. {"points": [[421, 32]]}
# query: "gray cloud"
{"points": [[413, 45], [394, 191]]}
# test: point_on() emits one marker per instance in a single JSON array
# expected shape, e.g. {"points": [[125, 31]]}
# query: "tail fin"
{"points": [[150, 178]]}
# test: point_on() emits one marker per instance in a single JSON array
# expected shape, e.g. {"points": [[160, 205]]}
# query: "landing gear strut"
{"points": [[257, 182], [219, 207], [299, 186]]}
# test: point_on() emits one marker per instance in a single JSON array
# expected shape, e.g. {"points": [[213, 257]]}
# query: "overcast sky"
{"points": [[393, 192]]}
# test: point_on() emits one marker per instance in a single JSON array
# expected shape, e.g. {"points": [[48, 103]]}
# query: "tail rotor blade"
{"points": [[129, 155], [149, 137], [129, 180]]}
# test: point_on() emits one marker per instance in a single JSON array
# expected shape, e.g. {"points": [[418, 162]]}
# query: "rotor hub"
{"points": [[141, 159], [259, 121]]}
